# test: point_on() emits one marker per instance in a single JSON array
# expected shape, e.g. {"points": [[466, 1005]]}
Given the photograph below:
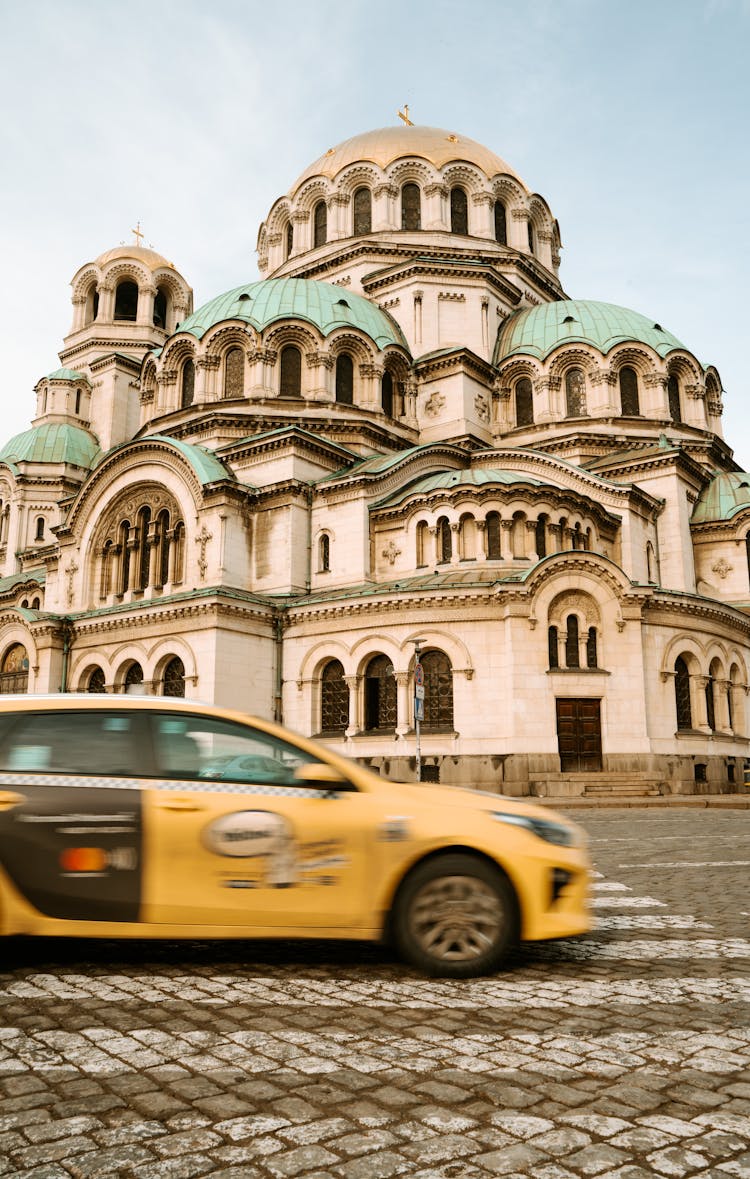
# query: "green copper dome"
{"points": [[726, 495], [52, 443], [450, 480], [319, 303], [540, 330]]}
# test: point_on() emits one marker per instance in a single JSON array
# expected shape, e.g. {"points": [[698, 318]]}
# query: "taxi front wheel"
{"points": [[456, 916]]}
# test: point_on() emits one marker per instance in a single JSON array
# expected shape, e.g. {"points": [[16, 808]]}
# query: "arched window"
{"points": [[160, 308], [591, 652], [105, 585], [411, 211], [682, 694], [445, 541], [234, 373], [187, 384], [650, 562], [629, 392], [39, 528], [78, 401], [334, 699], [92, 304], [531, 236], [710, 701], [144, 548], [14, 670], [96, 682], [344, 379], [552, 647], [438, 690], [123, 534], [126, 301], [540, 536], [289, 239], [290, 383], [178, 541], [493, 536], [36, 603], [380, 695], [572, 654], [422, 535], [174, 678], [575, 393], [362, 211], [162, 532], [673, 396], [501, 224], [459, 211], [320, 224], [386, 394], [324, 554], [524, 403], [133, 679]]}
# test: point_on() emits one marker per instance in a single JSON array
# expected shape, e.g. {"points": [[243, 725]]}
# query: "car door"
{"points": [[70, 811], [234, 838]]}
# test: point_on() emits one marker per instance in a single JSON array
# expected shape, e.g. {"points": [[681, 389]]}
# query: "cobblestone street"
{"points": [[625, 1053]]}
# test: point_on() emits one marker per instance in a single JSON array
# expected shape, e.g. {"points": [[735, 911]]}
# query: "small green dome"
{"points": [[325, 306], [52, 443], [67, 374], [725, 496], [538, 331]]}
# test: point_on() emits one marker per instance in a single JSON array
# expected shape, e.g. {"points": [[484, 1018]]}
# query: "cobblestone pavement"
{"points": [[625, 1053]]}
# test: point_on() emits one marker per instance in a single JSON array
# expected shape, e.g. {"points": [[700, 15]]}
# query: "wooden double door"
{"points": [[579, 735]]}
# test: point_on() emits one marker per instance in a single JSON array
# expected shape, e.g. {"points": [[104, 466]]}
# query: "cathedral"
{"points": [[403, 447]]}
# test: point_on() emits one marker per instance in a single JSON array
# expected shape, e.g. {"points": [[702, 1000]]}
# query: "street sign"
{"points": [[418, 674], [418, 709], [419, 691]]}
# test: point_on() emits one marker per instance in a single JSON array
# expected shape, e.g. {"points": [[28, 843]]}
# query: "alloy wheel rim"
{"points": [[456, 918]]}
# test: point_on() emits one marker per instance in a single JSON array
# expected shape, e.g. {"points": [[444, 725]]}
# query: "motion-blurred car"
{"points": [[145, 817]]}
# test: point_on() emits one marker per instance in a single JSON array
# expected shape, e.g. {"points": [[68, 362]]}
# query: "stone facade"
{"points": [[405, 436]]}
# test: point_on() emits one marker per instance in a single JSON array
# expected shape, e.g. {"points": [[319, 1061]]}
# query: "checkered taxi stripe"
{"points": [[11, 781]]}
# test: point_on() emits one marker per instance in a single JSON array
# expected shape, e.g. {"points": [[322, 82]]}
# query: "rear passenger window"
{"points": [[105, 744], [189, 746]]}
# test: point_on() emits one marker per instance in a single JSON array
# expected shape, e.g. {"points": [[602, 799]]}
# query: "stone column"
{"points": [[402, 702], [352, 683], [482, 222], [434, 207], [698, 702], [506, 541], [531, 552], [384, 198], [145, 312], [482, 538]]}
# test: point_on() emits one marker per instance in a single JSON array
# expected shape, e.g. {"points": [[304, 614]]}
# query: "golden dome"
{"points": [[387, 144], [149, 258]]}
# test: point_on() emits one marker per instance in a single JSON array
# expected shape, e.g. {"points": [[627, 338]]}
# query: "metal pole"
{"points": [[417, 650]]}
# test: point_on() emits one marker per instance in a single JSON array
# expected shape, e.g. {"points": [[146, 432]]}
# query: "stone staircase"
{"points": [[596, 785]]}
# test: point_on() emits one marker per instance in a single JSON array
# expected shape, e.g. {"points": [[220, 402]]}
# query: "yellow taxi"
{"points": [[152, 817]]}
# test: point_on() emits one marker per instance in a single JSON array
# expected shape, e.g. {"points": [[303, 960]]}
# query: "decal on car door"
{"points": [[73, 852]]}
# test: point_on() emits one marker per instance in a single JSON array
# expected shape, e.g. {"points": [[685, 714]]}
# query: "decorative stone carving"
{"points": [[722, 568], [390, 552], [435, 404], [481, 407]]}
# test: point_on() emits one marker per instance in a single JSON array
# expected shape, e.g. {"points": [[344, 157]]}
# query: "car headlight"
{"points": [[545, 829]]}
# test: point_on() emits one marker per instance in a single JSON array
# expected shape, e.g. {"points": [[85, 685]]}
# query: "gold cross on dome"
{"points": [[137, 233], [404, 116]]}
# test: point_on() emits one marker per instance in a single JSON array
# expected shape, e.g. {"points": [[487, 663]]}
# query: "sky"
{"points": [[629, 116]]}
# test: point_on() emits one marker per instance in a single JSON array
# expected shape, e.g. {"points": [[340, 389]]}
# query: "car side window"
{"points": [[190, 746], [100, 743]]}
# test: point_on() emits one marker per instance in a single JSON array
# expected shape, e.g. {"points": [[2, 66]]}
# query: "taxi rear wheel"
{"points": [[456, 916]]}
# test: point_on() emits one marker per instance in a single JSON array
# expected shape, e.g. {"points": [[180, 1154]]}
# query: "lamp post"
{"points": [[418, 702]]}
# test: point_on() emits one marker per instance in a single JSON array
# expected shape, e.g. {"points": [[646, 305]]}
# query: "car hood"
{"points": [[482, 800]]}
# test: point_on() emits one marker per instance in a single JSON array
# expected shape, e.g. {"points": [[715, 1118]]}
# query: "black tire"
{"points": [[455, 916]]}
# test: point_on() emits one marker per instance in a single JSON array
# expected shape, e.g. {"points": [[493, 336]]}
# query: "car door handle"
{"points": [[9, 798], [180, 804]]}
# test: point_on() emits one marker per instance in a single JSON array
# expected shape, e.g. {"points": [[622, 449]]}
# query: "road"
{"points": [[623, 1054]]}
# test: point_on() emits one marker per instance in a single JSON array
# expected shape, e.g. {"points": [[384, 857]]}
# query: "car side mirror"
{"points": [[317, 773]]}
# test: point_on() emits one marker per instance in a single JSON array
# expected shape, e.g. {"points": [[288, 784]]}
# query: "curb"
{"points": [[722, 802]]}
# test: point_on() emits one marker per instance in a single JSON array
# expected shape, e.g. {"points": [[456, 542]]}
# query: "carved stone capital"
{"points": [[436, 189], [385, 190]]}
